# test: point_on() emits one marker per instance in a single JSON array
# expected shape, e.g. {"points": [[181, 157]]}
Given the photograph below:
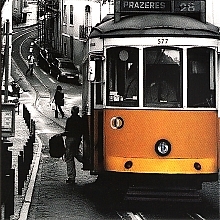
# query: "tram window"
{"points": [[201, 78], [98, 71], [123, 76], [162, 77]]}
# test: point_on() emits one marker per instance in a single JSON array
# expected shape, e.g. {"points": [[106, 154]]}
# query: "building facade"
{"points": [[64, 25], [78, 17]]}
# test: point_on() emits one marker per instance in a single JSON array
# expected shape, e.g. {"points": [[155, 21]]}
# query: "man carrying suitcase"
{"points": [[73, 133]]}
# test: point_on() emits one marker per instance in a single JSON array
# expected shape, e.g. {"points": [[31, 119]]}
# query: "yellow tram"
{"points": [[151, 95]]}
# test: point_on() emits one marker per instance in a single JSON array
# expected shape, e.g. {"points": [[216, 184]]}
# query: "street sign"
{"points": [[8, 120]]}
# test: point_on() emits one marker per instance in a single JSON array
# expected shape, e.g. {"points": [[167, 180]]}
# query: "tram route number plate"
{"points": [[187, 6]]}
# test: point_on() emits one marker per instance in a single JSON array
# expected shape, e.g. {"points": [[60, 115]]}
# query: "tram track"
{"points": [[131, 215], [146, 216], [39, 83], [35, 83], [195, 216]]}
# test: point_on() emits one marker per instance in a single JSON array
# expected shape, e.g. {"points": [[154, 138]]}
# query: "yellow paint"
{"points": [[218, 144], [166, 166], [192, 134]]}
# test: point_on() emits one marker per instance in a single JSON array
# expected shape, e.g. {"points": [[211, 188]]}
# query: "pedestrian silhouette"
{"points": [[59, 101], [30, 64], [73, 133]]}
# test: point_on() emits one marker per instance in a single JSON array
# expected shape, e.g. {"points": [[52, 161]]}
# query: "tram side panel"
{"points": [[218, 97], [93, 131], [218, 145], [192, 135]]}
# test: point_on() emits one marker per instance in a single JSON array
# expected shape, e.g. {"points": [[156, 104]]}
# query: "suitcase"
{"points": [[56, 114], [56, 146]]}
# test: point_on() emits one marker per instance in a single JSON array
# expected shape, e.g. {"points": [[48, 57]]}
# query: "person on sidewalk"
{"points": [[73, 133], [30, 65], [59, 100]]}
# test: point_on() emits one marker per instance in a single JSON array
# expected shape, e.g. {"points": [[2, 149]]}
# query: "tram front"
{"points": [[156, 93]]}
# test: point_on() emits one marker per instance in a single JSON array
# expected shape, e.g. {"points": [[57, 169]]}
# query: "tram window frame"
{"points": [[118, 69], [201, 85], [170, 76], [99, 83]]}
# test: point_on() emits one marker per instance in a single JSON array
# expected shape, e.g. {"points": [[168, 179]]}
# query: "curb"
{"points": [[28, 197], [23, 26]]}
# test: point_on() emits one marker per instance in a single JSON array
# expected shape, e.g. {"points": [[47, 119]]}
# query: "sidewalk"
{"points": [[46, 195], [21, 136], [19, 140]]}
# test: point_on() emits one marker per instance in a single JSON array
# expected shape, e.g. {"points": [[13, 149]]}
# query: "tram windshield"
{"points": [[123, 76], [162, 77], [165, 85], [201, 77]]}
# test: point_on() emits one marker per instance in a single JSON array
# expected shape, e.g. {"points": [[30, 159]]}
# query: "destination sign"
{"points": [[183, 6], [138, 6]]}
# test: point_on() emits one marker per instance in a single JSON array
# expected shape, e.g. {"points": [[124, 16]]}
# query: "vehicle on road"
{"points": [[64, 69], [42, 61], [151, 102]]}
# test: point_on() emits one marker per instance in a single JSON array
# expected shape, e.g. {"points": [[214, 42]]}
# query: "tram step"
{"points": [[171, 195]]}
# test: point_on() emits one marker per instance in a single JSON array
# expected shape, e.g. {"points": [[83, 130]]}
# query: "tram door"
{"points": [[93, 139]]}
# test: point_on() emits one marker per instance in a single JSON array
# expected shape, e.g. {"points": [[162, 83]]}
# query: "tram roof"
{"points": [[152, 25]]}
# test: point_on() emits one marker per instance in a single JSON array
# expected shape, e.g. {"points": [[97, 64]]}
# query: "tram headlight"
{"points": [[163, 147], [197, 166], [128, 164], [117, 122]]}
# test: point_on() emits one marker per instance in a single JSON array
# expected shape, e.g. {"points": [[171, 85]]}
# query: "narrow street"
{"points": [[52, 198], [145, 75]]}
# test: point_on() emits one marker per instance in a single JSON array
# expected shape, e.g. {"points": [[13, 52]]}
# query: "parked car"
{"points": [[64, 68], [42, 61]]}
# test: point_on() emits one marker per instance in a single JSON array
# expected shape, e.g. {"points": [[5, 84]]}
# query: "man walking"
{"points": [[59, 101], [73, 133], [30, 64]]}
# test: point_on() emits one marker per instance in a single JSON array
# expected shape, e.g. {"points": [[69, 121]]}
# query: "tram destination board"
{"points": [[168, 6]]}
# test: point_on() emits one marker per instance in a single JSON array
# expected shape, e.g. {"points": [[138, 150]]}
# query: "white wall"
{"points": [[79, 14], [213, 12], [6, 14]]}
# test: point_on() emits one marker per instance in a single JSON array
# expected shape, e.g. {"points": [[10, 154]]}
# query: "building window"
{"points": [[71, 14], [64, 14], [65, 48]]}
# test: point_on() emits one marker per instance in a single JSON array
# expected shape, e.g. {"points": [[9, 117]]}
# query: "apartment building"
{"points": [[78, 17]]}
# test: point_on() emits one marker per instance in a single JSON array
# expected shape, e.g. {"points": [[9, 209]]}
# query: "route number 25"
{"points": [[162, 41]]}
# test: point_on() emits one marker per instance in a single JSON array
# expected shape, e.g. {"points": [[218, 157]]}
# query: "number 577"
{"points": [[162, 41]]}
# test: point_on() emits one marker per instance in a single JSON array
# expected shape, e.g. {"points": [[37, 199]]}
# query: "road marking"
{"points": [[130, 216], [200, 217], [195, 216], [51, 80]]}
